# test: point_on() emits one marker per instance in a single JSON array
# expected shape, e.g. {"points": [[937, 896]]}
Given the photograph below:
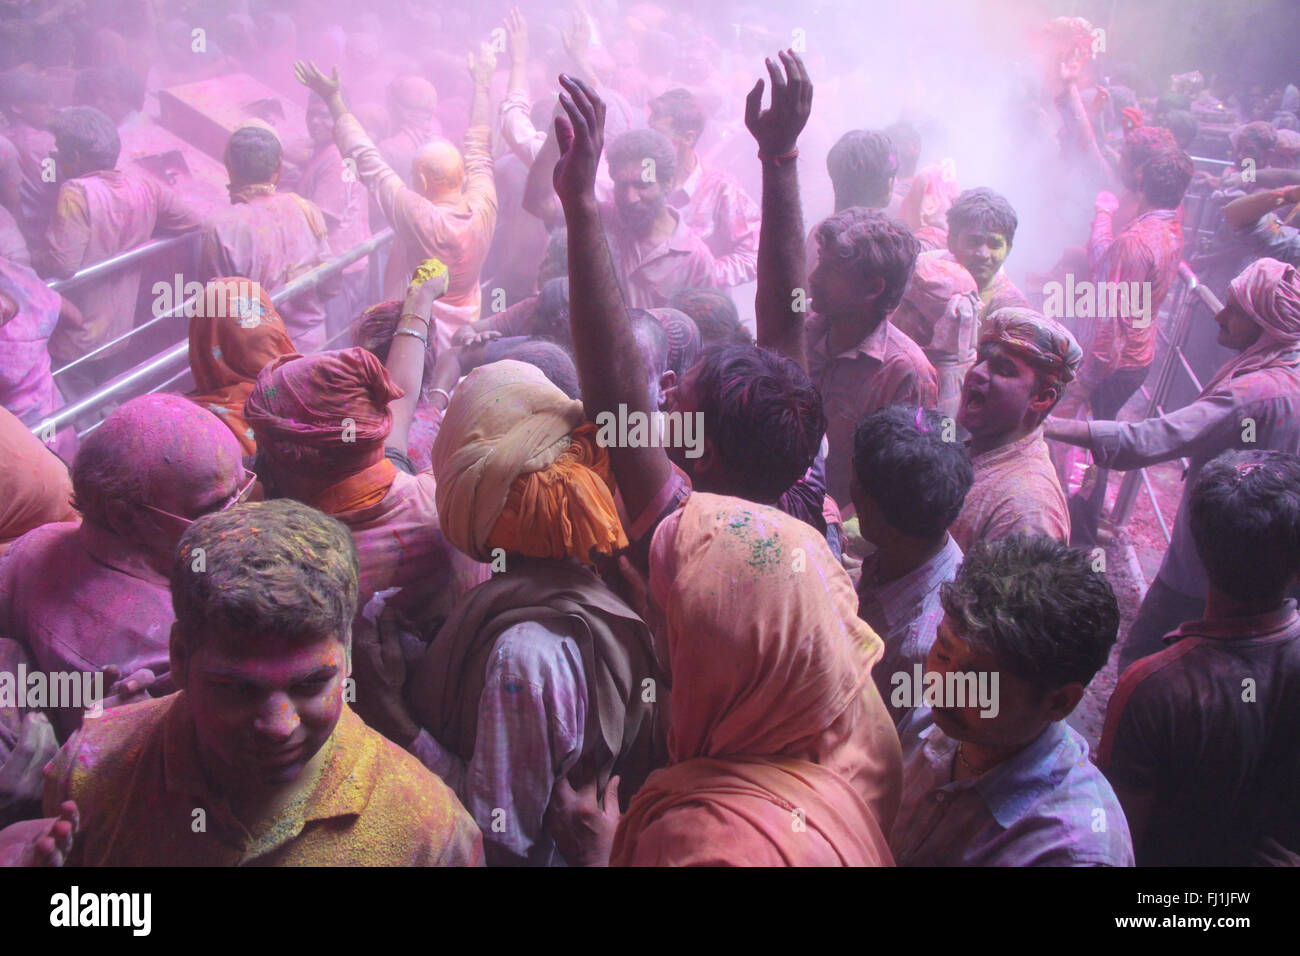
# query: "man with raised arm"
{"points": [[451, 211]]}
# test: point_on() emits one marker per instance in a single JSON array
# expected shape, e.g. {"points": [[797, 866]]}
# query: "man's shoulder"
{"points": [[103, 755], [901, 349]]}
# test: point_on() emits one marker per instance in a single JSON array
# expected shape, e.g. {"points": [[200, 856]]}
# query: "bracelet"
{"points": [[412, 315], [415, 334], [779, 160], [440, 391]]}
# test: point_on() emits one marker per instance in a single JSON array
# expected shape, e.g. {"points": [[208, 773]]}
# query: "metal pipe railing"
{"points": [[122, 260], [123, 387], [1190, 292]]}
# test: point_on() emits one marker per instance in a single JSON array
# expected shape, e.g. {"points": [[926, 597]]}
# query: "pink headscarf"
{"points": [[925, 208], [1268, 291]]}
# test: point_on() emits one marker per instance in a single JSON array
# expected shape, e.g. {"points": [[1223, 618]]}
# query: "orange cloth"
{"points": [[136, 778], [365, 488], [35, 487], [517, 467], [232, 336], [781, 750]]}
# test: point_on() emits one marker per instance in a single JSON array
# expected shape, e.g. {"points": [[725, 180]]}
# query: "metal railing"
{"points": [[1189, 294], [123, 259], [128, 385]]}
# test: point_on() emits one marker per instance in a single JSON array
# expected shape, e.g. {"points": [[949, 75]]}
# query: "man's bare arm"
{"points": [[1249, 210], [782, 283], [610, 366]]}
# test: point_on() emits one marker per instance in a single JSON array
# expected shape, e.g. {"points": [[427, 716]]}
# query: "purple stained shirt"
{"points": [[26, 386], [1046, 806]]}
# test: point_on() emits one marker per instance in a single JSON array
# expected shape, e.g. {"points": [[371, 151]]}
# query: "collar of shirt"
{"points": [[873, 346], [1015, 785], [1238, 628], [1006, 453], [338, 790], [110, 550], [682, 194], [896, 598]]}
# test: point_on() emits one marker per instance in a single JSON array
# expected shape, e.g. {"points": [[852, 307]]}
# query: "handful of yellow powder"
{"points": [[429, 269]]}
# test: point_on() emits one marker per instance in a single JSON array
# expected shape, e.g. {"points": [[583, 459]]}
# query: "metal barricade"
{"points": [[1188, 295], [129, 384]]}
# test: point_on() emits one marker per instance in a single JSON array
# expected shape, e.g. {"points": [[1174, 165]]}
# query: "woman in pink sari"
{"points": [[781, 752]]}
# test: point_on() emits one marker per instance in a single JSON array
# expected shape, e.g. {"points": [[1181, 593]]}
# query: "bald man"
{"points": [[80, 598], [448, 212], [412, 101]]}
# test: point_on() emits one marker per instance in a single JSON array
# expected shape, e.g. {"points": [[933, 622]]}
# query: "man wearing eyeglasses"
{"points": [[92, 597]]}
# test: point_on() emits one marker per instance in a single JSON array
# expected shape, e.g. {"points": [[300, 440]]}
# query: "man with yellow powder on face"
{"points": [[257, 761], [450, 209]]}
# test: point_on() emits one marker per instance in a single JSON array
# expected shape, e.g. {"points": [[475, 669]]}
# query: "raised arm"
{"points": [[406, 353], [780, 302], [609, 362]]}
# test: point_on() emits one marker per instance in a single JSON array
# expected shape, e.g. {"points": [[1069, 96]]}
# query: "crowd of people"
{"points": [[378, 587]]}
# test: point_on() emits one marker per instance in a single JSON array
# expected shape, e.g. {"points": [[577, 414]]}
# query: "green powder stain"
{"points": [[765, 553]]}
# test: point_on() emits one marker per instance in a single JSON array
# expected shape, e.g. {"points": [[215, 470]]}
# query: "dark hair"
{"points": [[981, 210], [373, 330], [1165, 178], [1244, 515], [637, 145], [1183, 126], [876, 245], [270, 567], [550, 318], [907, 141], [555, 363], [556, 256], [680, 107], [1256, 140], [1037, 606], [715, 314], [861, 165], [90, 132], [918, 479], [652, 338], [254, 155], [764, 416]]}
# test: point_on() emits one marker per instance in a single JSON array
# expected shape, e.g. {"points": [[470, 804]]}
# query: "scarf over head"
{"points": [[35, 487], [234, 332], [933, 190], [1044, 343], [324, 417], [771, 718], [1268, 291], [518, 468]]}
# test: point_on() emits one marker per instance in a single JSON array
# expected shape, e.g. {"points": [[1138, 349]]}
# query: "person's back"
{"points": [[272, 239], [1202, 730], [29, 312]]}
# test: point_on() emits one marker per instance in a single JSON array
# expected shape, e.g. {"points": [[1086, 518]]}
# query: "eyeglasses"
{"points": [[249, 479]]}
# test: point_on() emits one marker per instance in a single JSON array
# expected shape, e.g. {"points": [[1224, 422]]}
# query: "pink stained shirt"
{"points": [[1015, 491], [400, 545], [26, 386], [651, 276], [426, 230], [884, 369], [79, 598], [719, 211], [36, 192], [338, 193], [1147, 251], [97, 216], [272, 239], [12, 244]]}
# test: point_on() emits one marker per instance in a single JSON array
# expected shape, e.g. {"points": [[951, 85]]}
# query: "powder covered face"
{"points": [[996, 393], [639, 198], [262, 706], [982, 253]]}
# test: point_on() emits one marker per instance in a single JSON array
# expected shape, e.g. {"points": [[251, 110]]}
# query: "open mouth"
{"points": [[975, 401]]}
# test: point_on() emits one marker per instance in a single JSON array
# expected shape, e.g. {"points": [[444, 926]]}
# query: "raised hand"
{"points": [[580, 134], [316, 81], [777, 128], [577, 39], [516, 36], [482, 66]]}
